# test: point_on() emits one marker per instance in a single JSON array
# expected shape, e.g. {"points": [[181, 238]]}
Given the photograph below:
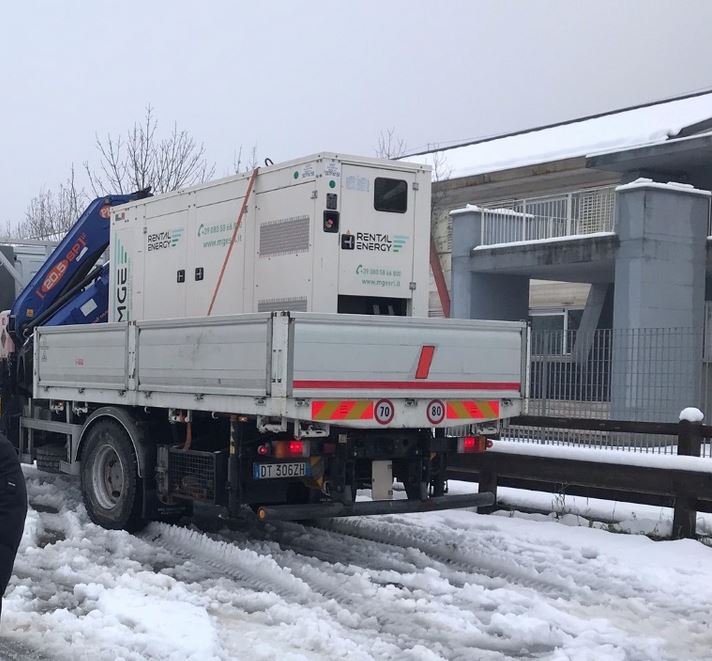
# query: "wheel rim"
{"points": [[108, 477]]}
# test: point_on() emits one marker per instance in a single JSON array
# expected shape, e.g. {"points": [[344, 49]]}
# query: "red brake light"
{"points": [[296, 448], [263, 449], [292, 448], [473, 444]]}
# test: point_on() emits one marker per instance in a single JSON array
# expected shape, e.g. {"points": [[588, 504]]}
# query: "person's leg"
{"points": [[7, 559], [13, 509]]}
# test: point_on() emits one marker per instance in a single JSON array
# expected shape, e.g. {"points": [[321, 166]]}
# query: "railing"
{"points": [[532, 219], [646, 375]]}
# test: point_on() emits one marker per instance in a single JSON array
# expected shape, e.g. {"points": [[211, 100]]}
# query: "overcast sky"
{"points": [[298, 77]]}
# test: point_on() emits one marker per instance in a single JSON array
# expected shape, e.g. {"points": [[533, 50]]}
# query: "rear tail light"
{"points": [[292, 448], [264, 449], [469, 444]]}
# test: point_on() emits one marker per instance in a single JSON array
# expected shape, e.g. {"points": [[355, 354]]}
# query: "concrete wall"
{"points": [[482, 295]]}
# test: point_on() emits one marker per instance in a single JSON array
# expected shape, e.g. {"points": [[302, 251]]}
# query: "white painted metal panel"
{"points": [[283, 261], [272, 365], [93, 356], [379, 258], [164, 254], [127, 265], [221, 355], [350, 355]]}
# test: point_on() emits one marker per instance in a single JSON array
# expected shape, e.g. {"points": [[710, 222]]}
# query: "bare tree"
{"points": [[142, 159], [51, 212], [441, 173], [243, 164], [390, 145]]}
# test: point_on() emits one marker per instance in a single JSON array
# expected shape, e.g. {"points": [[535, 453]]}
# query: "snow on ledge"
{"points": [[692, 414], [551, 239], [644, 182], [474, 208], [606, 456], [468, 208]]}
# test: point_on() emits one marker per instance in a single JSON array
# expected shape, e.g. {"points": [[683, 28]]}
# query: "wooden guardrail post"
{"points": [[689, 443], [689, 438], [487, 482]]}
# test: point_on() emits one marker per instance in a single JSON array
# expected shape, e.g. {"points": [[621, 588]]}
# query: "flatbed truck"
{"points": [[260, 342]]}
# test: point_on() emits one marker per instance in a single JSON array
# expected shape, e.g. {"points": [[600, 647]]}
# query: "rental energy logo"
{"points": [[373, 241], [163, 240], [121, 259]]}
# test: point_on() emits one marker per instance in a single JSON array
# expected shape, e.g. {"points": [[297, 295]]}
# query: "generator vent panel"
{"points": [[279, 304], [284, 237]]}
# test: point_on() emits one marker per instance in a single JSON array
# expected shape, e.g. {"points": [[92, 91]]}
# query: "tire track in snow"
{"points": [[16, 650], [634, 606], [408, 584], [258, 570], [588, 601], [352, 598]]}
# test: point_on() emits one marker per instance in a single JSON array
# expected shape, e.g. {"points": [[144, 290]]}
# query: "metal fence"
{"points": [[566, 214], [645, 375]]}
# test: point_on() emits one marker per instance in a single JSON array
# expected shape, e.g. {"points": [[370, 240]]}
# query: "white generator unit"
{"points": [[327, 233]]}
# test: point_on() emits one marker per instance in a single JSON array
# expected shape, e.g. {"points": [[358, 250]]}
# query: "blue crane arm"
{"points": [[68, 264], [90, 305]]}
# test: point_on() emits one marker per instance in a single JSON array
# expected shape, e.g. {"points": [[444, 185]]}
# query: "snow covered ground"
{"points": [[451, 585]]}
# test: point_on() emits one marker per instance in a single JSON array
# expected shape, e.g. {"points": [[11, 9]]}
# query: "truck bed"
{"points": [[350, 370]]}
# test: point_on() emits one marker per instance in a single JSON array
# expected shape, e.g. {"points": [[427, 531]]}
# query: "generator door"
{"points": [[376, 225]]}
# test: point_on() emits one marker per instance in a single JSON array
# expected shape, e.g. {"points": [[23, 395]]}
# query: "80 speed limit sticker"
{"points": [[435, 411], [384, 411]]}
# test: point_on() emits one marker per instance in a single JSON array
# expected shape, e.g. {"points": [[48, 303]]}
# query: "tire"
{"points": [[111, 487], [49, 456]]}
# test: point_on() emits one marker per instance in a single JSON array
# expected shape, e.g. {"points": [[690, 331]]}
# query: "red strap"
{"points": [[236, 229]]}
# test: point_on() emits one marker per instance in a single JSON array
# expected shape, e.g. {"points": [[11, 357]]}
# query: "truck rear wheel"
{"points": [[111, 487]]}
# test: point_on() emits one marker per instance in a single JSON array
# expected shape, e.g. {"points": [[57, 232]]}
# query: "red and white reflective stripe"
{"points": [[459, 409], [342, 409], [307, 384]]}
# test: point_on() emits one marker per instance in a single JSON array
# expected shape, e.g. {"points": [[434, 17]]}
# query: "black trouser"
{"points": [[13, 509]]}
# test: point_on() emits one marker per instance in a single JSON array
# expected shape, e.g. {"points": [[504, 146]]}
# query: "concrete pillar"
{"points": [[481, 295], [466, 233], [597, 296], [658, 307]]}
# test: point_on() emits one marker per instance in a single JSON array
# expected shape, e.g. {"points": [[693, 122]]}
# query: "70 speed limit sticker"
{"points": [[384, 411], [435, 411]]}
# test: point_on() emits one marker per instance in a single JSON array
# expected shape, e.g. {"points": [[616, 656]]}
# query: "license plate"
{"points": [[273, 471]]}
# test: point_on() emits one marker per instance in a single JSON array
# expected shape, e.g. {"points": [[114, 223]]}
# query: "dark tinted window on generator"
{"points": [[390, 195]]}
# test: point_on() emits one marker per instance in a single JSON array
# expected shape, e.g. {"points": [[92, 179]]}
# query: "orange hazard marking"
{"points": [[340, 409], [472, 409]]}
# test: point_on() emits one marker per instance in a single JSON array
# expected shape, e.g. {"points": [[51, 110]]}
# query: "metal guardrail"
{"points": [[687, 490], [531, 219]]}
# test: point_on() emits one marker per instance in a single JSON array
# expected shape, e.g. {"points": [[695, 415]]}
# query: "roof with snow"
{"points": [[615, 131]]}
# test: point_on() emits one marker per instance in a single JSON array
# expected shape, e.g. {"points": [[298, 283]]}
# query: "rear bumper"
{"points": [[331, 510]]}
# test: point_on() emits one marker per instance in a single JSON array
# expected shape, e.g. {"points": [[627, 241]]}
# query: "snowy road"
{"points": [[450, 585]]}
